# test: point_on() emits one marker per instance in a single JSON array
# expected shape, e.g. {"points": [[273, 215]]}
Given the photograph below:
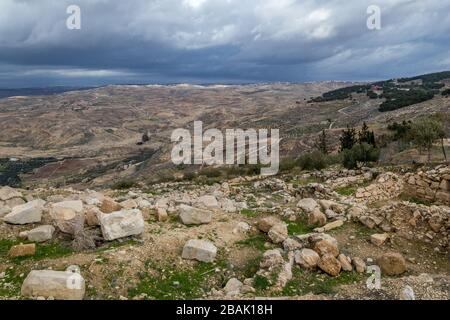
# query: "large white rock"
{"points": [[61, 285], [307, 258], [200, 250], [29, 212], [307, 204], [190, 215], [91, 197], [330, 226], [129, 204], [14, 202], [407, 293], [68, 215], [122, 224], [7, 193], [278, 233], [379, 239], [271, 258], [209, 202], [40, 234], [228, 205], [4, 210], [233, 287]]}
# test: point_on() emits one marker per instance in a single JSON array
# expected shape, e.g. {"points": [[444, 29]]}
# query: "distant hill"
{"points": [[97, 135], [396, 93], [5, 93]]}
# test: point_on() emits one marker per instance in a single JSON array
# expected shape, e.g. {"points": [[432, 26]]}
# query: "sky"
{"points": [[219, 41]]}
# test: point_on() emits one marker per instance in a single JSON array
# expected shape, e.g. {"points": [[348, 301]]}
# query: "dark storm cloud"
{"points": [[142, 41]]}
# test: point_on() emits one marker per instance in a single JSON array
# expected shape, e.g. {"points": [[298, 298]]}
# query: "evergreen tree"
{"points": [[366, 136], [348, 138]]}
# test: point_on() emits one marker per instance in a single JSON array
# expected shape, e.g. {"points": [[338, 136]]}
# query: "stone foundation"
{"points": [[433, 185]]}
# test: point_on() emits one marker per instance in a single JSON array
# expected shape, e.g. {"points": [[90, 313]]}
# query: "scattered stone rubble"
{"points": [[85, 216]]}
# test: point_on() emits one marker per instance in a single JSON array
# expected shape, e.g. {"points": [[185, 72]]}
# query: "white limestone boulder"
{"points": [[61, 285], [121, 224], [30, 212], [68, 215], [200, 250]]}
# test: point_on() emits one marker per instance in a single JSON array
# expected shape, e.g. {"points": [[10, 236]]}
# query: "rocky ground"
{"points": [[308, 236]]}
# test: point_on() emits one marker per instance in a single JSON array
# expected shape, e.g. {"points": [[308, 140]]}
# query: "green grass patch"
{"points": [[43, 251], [299, 226], [250, 213], [346, 191], [305, 181], [169, 283], [261, 283], [257, 242], [306, 281], [11, 283], [250, 267], [356, 229]]}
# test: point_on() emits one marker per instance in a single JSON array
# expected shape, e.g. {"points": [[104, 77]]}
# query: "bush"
{"points": [[211, 172], [446, 92], [189, 176], [316, 160], [360, 153], [400, 130], [123, 185], [288, 164]]}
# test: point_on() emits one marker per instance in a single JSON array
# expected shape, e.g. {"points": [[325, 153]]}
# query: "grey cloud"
{"points": [[145, 41]]}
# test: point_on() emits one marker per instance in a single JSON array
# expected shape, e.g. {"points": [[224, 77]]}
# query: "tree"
{"points": [[426, 132], [401, 130], [322, 144], [348, 138], [366, 136]]}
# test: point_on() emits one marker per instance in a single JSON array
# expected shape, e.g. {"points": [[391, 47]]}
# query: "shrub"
{"points": [[314, 160], [360, 153], [124, 184], [288, 164], [400, 130], [211, 173]]}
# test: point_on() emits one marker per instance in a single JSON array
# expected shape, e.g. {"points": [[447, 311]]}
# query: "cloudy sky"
{"points": [[205, 41]]}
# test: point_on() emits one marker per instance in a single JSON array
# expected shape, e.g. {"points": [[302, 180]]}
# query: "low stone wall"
{"points": [[433, 185], [388, 185], [430, 224]]}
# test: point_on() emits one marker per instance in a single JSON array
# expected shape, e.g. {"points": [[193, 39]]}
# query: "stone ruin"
{"points": [[431, 186]]}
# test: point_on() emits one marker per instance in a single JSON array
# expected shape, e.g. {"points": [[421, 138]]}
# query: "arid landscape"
{"points": [[94, 138], [87, 185]]}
